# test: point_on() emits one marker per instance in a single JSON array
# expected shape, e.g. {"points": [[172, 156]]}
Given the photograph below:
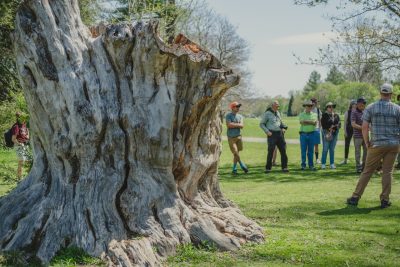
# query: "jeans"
{"points": [[277, 139], [329, 146], [307, 148]]}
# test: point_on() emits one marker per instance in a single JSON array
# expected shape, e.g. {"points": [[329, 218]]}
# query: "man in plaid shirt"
{"points": [[382, 118]]}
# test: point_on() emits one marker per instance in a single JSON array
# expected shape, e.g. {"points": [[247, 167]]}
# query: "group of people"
{"points": [[375, 130]]}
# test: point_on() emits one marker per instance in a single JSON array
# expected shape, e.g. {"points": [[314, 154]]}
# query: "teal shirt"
{"points": [[270, 121], [236, 118], [307, 117]]}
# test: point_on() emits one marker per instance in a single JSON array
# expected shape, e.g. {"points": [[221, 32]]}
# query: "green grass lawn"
{"points": [[303, 215], [252, 128]]}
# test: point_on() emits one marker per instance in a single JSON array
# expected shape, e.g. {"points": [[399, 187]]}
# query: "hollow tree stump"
{"points": [[126, 140]]}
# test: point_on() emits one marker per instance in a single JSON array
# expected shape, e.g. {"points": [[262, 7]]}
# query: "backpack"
{"points": [[8, 138]]}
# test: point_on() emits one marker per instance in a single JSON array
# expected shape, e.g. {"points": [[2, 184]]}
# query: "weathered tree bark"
{"points": [[126, 141]]}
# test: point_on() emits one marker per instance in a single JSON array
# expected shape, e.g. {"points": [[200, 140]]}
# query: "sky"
{"points": [[275, 29]]}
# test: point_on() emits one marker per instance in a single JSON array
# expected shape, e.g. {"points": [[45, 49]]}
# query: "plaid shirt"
{"points": [[384, 119]]}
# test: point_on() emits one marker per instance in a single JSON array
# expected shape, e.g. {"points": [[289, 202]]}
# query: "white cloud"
{"points": [[316, 38]]}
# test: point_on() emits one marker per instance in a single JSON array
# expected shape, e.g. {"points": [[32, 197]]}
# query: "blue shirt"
{"points": [[236, 118], [384, 119]]}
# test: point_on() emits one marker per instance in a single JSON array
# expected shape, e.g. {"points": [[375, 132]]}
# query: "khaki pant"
{"points": [[386, 154], [236, 145], [358, 143]]}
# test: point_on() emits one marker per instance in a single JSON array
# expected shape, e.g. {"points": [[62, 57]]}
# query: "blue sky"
{"points": [[275, 30]]}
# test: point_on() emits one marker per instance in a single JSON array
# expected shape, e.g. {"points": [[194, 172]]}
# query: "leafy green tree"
{"points": [[335, 76], [312, 84]]}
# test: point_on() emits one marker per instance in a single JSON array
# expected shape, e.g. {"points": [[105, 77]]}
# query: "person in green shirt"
{"points": [[308, 122]]}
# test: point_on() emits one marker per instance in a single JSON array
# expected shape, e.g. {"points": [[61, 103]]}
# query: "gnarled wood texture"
{"points": [[126, 141]]}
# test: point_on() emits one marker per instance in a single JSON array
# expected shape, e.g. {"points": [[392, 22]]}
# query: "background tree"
{"points": [[290, 104], [335, 76], [373, 27], [312, 83], [127, 142]]}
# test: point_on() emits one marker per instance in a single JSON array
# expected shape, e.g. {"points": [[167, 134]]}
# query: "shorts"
{"points": [[22, 152], [317, 137], [235, 144]]}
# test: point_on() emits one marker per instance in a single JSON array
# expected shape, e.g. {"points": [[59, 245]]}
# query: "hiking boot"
{"points": [[344, 162], [234, 172], [359, 171], [313, 169], [245, 169], [285, 170], [352, 201], [303, 168], [385, 203], [267, 171]]}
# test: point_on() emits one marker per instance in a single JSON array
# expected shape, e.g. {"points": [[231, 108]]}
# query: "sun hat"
{"points": [[386, 88], [234, 105], [330, 104], [307, 103]]}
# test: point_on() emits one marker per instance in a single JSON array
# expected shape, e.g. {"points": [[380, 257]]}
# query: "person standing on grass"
{"points": [[20, 137], [308, 122], [348, 131], [272, 125], [330, 123], [234, 124], [398, 156], [382, 119], [317, 134], [356, 123]]}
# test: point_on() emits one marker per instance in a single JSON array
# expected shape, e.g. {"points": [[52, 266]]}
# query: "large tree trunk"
{"points": [[126, 140]]}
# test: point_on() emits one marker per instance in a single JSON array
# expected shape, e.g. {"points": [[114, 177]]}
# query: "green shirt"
{"points": [[231, 117], [307, 117]]}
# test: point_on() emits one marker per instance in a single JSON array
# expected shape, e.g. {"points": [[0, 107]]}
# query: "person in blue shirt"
{"points": [[234, 124]]}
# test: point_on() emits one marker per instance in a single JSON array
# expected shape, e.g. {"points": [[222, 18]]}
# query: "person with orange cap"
{"points": [[234, 124]]}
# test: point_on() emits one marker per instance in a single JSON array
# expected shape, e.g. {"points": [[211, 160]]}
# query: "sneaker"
{"points": [[303, 168], [333, 166], [267, 171], [352, 201], [313, 169], [285, 170], [359, 171], [234, 172], [318, 161], [323, 166], [385, 203], [344, 162], [245, 169]]}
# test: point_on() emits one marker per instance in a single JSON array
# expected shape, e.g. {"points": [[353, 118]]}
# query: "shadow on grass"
{"points": [[349, 210], [256, 174]]}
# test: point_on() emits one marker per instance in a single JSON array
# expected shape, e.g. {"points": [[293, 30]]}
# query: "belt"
{"points": [[306, 132]]}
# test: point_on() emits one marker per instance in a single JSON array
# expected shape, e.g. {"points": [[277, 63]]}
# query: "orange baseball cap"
{"points": [[234, 105]]}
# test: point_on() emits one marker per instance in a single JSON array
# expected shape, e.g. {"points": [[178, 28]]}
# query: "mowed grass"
{"points": [[252, 128], [304, 216], [303, 213]]}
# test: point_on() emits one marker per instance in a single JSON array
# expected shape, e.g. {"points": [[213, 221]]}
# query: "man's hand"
{"points": [[283, 131], [269, 134]]}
